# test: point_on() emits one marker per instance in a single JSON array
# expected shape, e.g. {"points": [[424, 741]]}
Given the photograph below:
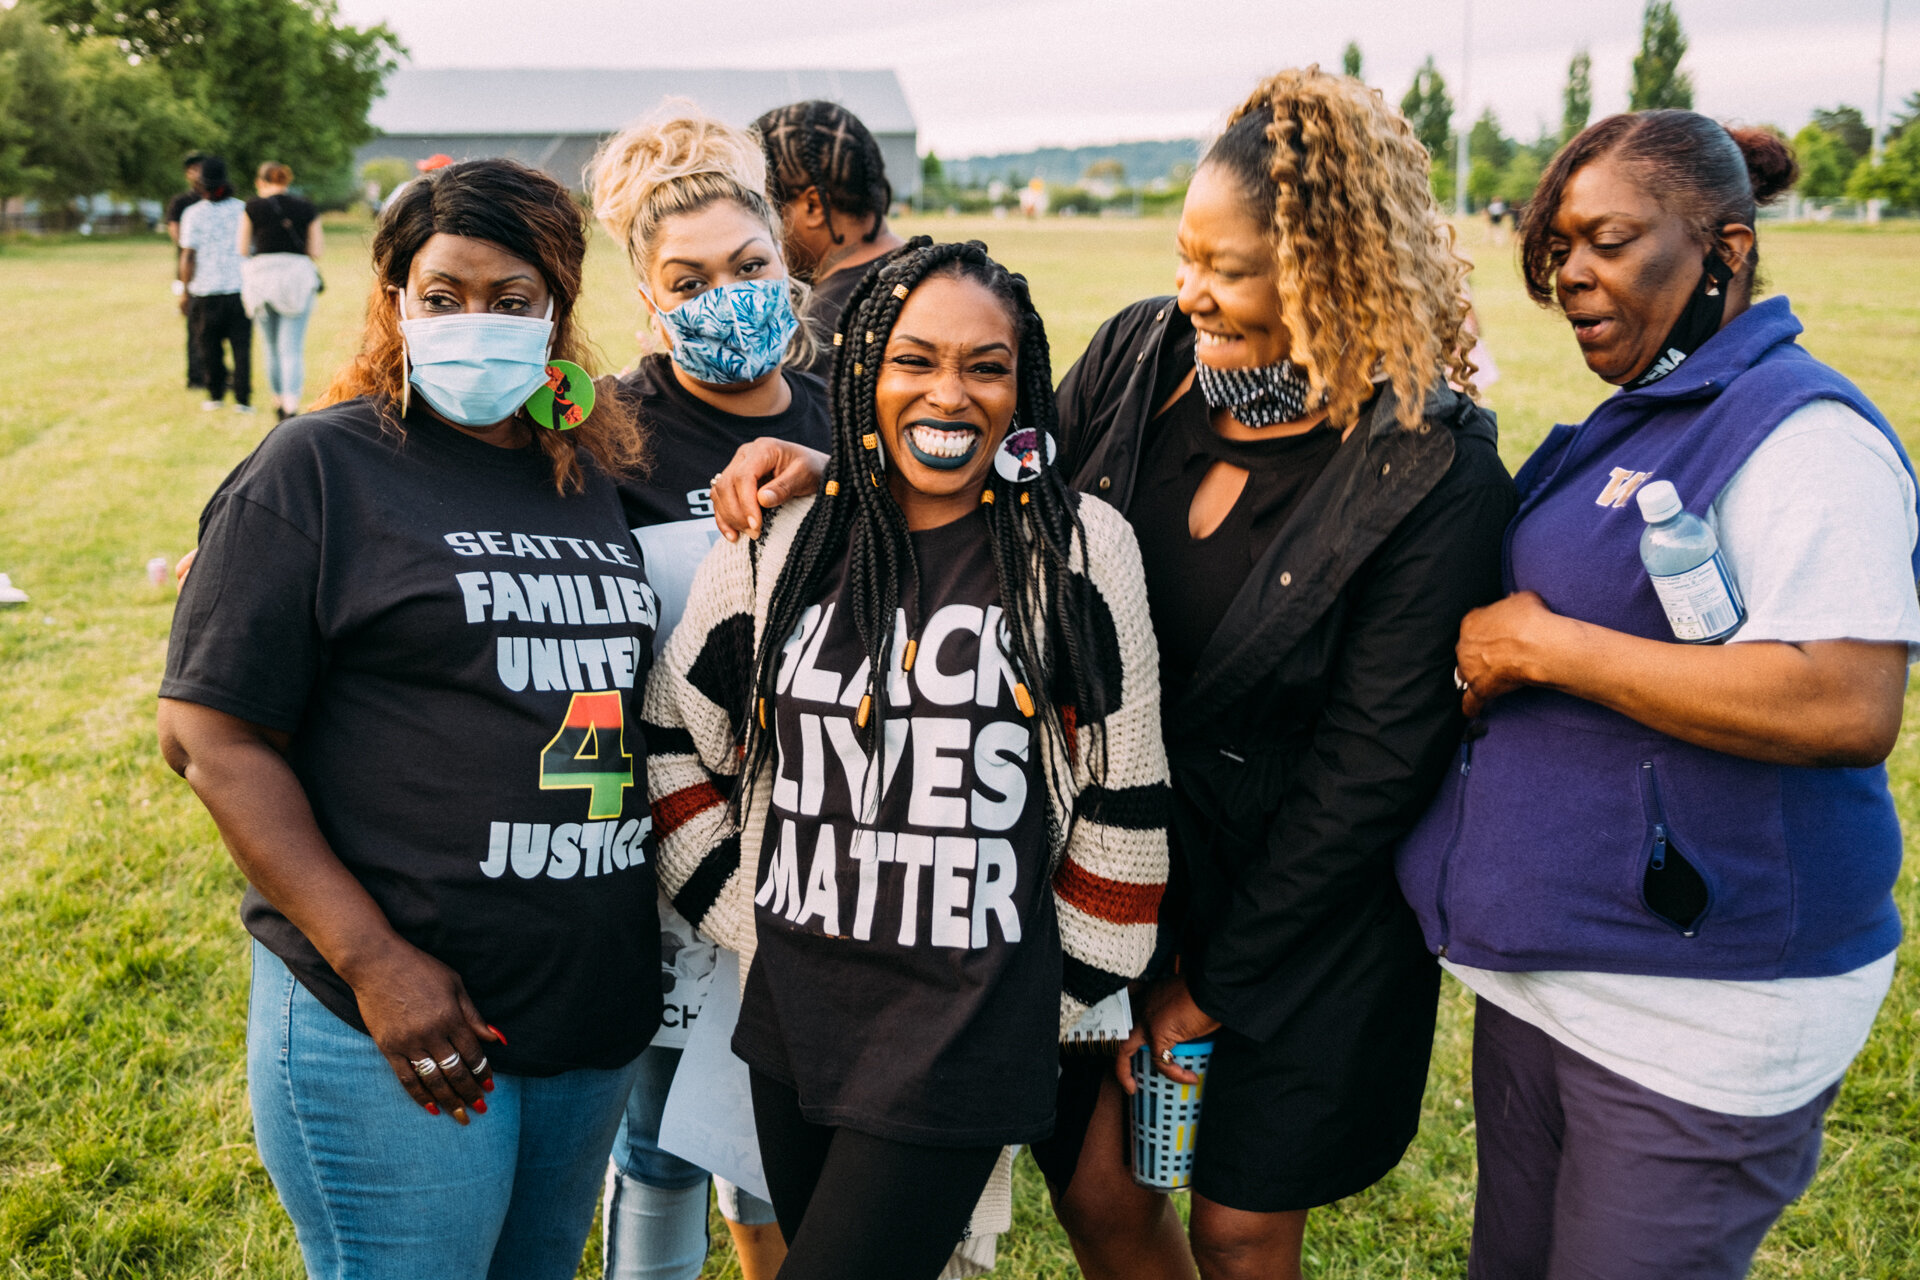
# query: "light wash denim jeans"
{"points": [[380, 1190], [655, 1213], [286, 342]]}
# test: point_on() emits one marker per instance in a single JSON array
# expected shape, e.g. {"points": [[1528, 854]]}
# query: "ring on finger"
{"points": [[716, 479], [479, 1066], [424, 1067], [1166, 1055], [451, 1061], [1460, 682]]}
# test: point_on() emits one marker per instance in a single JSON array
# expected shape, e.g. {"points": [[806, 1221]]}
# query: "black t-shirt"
{"points": [[458, 652], [280, 223], [1191, 582], [670, 508], [824, 309], [907, 977], [178, 205]]}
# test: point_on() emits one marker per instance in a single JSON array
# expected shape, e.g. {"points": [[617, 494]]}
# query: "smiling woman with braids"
{"points": [[939, 688]]}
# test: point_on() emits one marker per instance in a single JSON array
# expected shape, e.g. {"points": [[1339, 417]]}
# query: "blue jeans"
{"points": [[655, 1212], [380, 1190], [286, 341]]}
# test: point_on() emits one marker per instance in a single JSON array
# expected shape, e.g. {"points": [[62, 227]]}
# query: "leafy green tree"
{"points": [[274, 79], [1350, 59], [932, 172], [1658, 81], [1521, 177], [1849, 128], [1486, 141], [1483, 180], [1896, 179], [1909, 112], [1576, 100], [1825, 162], [1429, 110]]}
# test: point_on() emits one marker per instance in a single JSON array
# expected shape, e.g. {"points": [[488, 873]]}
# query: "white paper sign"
{"points": [[709, 1117]]}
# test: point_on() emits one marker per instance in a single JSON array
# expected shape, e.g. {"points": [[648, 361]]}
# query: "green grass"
{"points": [[125, 1145]]}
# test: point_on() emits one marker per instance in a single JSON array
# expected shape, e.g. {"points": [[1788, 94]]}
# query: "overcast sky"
{"points": [[1006, 75]]}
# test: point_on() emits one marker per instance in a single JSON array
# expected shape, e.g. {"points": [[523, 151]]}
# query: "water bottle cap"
{"points": [[1658, 500]]}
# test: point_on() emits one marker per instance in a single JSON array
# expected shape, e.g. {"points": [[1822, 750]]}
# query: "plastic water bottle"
{"points": [[1689, 574]]}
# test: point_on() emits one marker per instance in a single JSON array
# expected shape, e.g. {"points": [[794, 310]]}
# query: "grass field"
{"points": [[125, 1145]]}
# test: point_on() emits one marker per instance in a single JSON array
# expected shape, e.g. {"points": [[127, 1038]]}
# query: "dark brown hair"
{"points": [[825, 146], [535, 219], [1698, 169]]}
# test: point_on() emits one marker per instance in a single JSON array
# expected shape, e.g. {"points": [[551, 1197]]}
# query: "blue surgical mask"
{"points": [[733, 332], [476, 369]]}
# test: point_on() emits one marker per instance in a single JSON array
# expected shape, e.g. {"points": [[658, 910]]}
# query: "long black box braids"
{"points": [[1033, 525]]}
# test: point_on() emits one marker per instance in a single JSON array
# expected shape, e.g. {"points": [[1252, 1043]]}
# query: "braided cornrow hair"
{"points": [[1033, 526], [825, 146]]}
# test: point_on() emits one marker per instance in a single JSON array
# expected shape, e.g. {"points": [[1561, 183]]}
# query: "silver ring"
{"points": [[716, 479], [1460, 681], [424, 1067], [1166, 1055], [451, 1061], [479, 1066]]}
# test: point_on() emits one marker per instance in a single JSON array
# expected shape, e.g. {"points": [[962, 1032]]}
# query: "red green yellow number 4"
{"points": [[590, 752]]}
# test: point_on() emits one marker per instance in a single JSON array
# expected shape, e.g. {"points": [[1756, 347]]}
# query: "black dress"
{"points": [[1306, 731]]}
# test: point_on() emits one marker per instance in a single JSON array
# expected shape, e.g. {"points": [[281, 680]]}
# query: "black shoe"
{"points": [[196, 384]]}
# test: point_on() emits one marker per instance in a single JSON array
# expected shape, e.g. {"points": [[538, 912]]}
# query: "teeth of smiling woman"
{"points": [[1211, 339], [942, 444]]}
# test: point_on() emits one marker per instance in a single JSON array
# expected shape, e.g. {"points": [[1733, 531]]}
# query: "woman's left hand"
{"points": [[1506, 646], [1168, 1017]]}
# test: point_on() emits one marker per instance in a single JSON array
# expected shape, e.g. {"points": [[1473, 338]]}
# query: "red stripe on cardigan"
{"points": [[671, 812], [1115, 901]]}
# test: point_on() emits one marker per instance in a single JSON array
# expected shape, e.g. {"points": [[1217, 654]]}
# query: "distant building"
{"points": [[553, 119]]}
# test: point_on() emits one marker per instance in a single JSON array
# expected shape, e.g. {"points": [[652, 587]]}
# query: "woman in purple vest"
{"points": [[1666, 868]]}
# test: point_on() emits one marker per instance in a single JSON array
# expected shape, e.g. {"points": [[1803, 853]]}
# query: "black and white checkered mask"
{"points": [[1262, 397]]}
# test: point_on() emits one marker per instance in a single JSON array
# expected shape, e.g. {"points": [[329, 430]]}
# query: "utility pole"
{"points": [[1880, 101], [1460, 164]]}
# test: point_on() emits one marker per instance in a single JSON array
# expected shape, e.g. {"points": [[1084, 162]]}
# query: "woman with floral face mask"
{"points": [[686, 195], [402, 678]]}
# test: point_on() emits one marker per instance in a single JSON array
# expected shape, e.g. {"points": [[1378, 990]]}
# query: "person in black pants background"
{"points": [[196, 376], [210, 269]]}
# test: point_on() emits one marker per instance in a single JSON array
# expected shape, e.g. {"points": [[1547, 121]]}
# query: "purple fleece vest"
{"points": [[1570, 837]]}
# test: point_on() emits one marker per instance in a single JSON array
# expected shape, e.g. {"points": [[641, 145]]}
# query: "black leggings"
{"points": [[856, 1207]]}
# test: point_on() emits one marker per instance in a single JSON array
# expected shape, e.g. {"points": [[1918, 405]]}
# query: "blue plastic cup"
{"points": [[1166, 1116]]}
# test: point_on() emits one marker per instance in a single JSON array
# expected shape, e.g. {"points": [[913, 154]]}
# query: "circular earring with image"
{"points": [[1019, 460]]}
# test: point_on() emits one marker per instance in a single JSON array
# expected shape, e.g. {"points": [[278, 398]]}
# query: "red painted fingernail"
{"points": [[432, 1110], [496, 1033], [480, 1105], [487, 1084]]}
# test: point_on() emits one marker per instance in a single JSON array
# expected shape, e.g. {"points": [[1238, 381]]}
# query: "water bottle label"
{"points": [[1702, 604]]}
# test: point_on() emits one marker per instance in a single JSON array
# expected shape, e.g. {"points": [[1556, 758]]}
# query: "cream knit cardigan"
{"points": [[1107, 878]]}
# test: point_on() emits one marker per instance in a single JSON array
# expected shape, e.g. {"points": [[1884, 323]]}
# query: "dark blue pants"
{"points": [[1585, 1175]]}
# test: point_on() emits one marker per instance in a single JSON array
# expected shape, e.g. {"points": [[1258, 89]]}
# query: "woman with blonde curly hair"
{"points": [[1317, 507]]}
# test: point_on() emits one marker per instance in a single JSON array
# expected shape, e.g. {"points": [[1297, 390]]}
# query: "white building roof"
{"points": [[598, 101]]}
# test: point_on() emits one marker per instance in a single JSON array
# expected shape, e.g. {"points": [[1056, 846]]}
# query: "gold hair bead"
{"points": [[900, 292], [837, 338], [869, 335], [1025, 699], [1025, 497], [857, 369], [833, 487], [871, 440], [866, 706], [986, 497], [875, 477], [763, 713], [913, 647]]}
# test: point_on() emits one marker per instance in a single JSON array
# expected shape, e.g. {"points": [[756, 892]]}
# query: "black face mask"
{"points": [[1699, 320]]}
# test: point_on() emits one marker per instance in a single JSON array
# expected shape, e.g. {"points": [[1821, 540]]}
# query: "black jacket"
{"points": [[1323, 712]]}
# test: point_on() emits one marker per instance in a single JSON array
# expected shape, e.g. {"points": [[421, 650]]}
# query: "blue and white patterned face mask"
{"points": [[733, 332]]}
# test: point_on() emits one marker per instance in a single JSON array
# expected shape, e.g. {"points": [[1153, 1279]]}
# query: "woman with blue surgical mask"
{"points": [[685, 194], [405, 679]]}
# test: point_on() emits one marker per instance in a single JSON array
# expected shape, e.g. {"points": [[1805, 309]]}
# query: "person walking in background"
{"points": [[279, 242], [425, 766], [196, 376], [826, 176], [1666, 868], [686, 195], [210, 269], [946, 603]]}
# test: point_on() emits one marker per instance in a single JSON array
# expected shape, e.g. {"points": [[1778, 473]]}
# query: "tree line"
{"points": [[100, 99]]}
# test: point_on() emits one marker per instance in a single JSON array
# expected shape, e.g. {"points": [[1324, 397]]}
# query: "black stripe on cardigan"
{"points": [[1130, 808], [702, 889], [1087, 983], [665, 740], [723, 670]]}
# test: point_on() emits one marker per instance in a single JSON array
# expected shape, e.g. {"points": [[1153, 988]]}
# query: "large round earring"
{"points": [[1019, 459]]}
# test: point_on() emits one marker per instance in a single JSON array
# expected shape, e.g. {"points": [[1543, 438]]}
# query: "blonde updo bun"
{"points": [[677, 160]]}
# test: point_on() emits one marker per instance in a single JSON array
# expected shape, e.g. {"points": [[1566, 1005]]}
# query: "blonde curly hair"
{"points": [[680, 160], [1370, 283]]}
